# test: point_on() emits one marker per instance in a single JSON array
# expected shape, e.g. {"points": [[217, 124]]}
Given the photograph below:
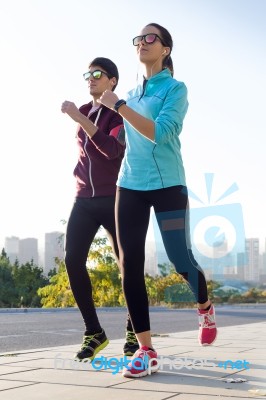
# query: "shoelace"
{"points": [[141, 353], [144, 355], [131, 338], [87, 339], [206, 320]]}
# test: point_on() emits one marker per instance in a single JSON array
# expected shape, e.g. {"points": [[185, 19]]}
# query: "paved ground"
{"points": [[189, 371]]}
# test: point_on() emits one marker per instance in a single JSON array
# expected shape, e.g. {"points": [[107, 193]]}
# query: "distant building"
{"points": [[263, 262], [12, 248], [241, 265], [251, 271], [151, 266], [263, 267], [28, 251], [53, 248]]}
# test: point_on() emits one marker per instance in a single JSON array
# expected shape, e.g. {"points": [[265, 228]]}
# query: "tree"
{"points": [[253, 295], [212, 286], [104, 275], [57, 293], [8, 293], [157, 285], [106, 285], [28, 278], [166, 269]]}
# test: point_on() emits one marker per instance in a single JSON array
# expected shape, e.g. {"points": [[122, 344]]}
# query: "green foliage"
{"points": [[157, 285], [212, 286], [52, 272], [179, 294], [26, 285], [100, 253], [253, 295], [166, 269], [106, 284], [19, 284], [28, 278], [8, 295], [57, 293], [104, 275]]}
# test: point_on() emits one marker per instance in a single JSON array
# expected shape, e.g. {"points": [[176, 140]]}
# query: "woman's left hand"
{"points": [[108, 99]]}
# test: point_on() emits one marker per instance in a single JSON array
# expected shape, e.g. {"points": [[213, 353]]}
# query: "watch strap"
{"points": [[118, 104]]}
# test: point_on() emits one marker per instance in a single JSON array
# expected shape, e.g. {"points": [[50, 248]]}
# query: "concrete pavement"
{"points": [[233, 368]]}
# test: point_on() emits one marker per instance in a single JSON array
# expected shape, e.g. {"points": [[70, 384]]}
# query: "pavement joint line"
{"points": [[20, 361], [243, 351], [26, 370], [18, 387]]}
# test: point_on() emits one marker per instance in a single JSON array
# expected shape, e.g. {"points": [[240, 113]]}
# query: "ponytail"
{"points": [[168, 63]]}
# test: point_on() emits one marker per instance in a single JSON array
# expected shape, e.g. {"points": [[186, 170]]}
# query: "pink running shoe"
{"points": [[144, 362], [207, 327]]}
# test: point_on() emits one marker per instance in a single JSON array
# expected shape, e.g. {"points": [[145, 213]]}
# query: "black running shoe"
{"points": [[91, 345], [131, 345]]}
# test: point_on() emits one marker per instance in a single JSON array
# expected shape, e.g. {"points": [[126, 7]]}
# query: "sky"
{"points": [[46, 45]]}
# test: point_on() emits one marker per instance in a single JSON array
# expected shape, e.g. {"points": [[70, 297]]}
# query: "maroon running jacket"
{"points": [[100, 157]]}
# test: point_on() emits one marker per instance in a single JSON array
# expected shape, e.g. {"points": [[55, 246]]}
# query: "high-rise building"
{"points": [[12, 248], [241, 265], [151, 266], [53, 248], [263, 269], [28, 251], [251, 272], [220, 249], [263, 266]]}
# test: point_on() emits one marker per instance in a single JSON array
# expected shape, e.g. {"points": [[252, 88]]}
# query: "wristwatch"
{"points": [[118, 104]]}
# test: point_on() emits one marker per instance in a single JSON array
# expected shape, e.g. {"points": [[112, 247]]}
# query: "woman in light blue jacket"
{"points": [[152, 175]]}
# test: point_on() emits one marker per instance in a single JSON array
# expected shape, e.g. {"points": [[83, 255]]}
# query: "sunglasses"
{"points": [[97, 74], [148, 39]]}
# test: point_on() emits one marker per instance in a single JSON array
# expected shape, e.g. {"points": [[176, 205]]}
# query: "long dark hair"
{"points": [[167, 41]]}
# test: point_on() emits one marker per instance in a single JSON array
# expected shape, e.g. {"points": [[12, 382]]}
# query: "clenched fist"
{"points": [[71, 109]]}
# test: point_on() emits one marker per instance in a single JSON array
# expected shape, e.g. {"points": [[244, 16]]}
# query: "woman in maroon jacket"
{"points": [[101, 141]]}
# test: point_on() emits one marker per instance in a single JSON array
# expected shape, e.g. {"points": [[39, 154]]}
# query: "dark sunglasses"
{"points": [[97, 74], [148, 39]]}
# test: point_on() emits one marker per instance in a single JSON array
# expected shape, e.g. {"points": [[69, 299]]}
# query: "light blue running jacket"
{"points": [[147, 164]]}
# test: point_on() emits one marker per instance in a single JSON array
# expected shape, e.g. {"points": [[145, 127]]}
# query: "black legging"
{"points": [[86, 216], [132, 219]]}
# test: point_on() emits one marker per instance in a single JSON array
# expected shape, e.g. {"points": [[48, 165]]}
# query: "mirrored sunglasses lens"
{"points": [[86, 75], [150, 38], [97, 74]]}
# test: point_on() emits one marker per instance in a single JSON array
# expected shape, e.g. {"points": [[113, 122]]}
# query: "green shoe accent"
{"points": [[91, 345], [99, 348]]}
